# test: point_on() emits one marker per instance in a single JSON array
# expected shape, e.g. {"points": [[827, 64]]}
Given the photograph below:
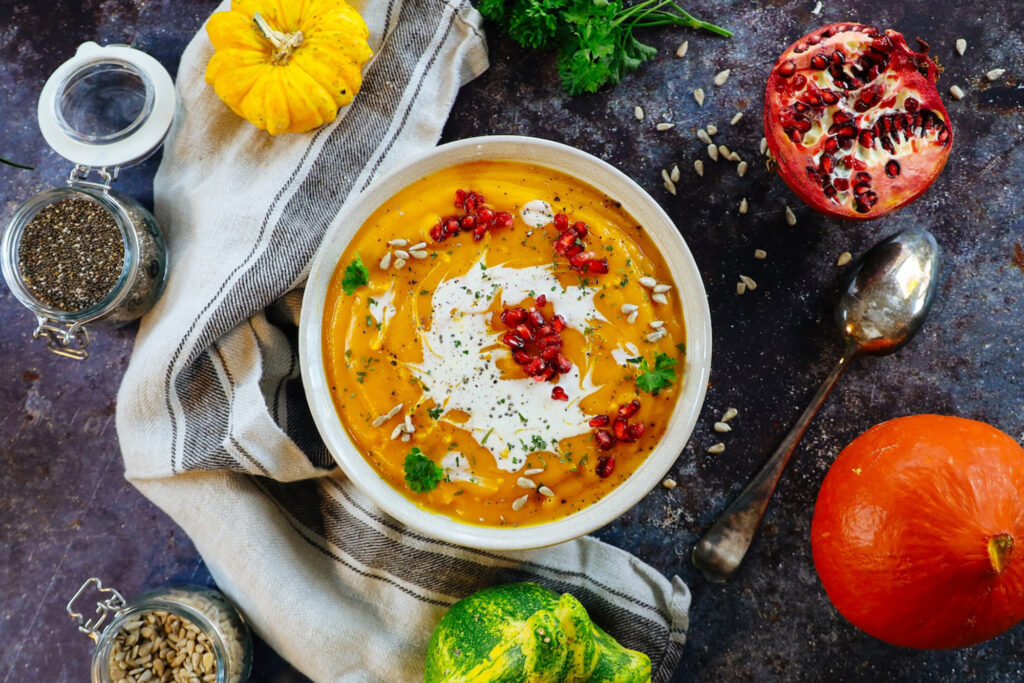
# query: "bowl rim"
{"points": [[686, 276]]}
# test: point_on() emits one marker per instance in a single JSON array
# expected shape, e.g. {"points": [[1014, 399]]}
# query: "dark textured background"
{"points": [[66, 512]]}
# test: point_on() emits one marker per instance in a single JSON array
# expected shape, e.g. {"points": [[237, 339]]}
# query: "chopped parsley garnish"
{"points": [[538, 443], [682, 348], [663, 374], [421, 474], [486, 436], [435, 413], [356, 275]]}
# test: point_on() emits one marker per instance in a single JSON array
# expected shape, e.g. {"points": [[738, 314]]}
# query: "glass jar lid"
{"points": [[107, 106]]}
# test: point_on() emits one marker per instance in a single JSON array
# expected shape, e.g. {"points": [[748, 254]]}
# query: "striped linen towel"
{"points": [[211, 415]]}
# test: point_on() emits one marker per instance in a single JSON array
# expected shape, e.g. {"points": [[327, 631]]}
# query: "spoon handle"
{"points": [[719, 552]]}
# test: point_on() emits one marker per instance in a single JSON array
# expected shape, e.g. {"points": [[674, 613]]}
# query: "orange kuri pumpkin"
{"points": [[918, 532]]}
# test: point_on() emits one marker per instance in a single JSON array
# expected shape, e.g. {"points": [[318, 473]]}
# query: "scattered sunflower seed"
{"points": [[749, 282], [400, 263], [729, 414], [670, 186], [760, 254], [712, 129], [961, 46], [657, 324], [717, 448], [545, 491], [655, 336], [790, 216], [703, 136], [995, 74], [525, 483], [398, 242], [418, 255], [817, 8], [764, 145], [665, 126], [669, 484], [638, 112], [683, 47], [698, 95], [396, 432], [743, 206], [713, 152], [740, 288], [394, 411], [408, 425], [385, 262], [648, 281], [419, 246], [406, 437], [722, 428], [844, 258], [737, 117], [724, 151], [532, 471], [721, 77], [674, 175], [659, 299], [956, 92], [632, 317], [519, 502], [661, 288], [628, 308], [698, 166], [401, 253], [741, 169], [733, 156]]}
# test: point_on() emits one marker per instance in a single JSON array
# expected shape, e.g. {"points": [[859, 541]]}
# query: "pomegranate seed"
{"points": [[549, 352], [521, 357], [619, 428], [525, 332], [460, 199], [599, 266], [599, 421], [552, 340], [562, 364], [628, 410], [435, 233], [511, 340], [467, 222], [580, 228], [558, 322], [534, 367], [892, 168], [605, 440], [635, 431], [578, 260], [541, 301], [818, 62], [535, 319], [605, 465], [544, 331], [470, 203], [787, 68], [485, 215], [561, 222], [502, 219], [479, 232], [563, 243], [574, 249], [558, 393], [452, 226], [545, 374]]}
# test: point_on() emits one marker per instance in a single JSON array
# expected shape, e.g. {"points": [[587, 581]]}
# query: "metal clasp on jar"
{"points": [[114, 603], [79, 176], [68, 340]]}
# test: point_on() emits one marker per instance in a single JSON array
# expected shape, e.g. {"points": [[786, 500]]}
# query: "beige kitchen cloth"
{"points": [[212, 418]]}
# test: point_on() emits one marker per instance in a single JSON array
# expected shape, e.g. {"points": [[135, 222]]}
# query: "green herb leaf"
{"points": [[356, 275], [435, 413], [421, 474], [663, 374]]}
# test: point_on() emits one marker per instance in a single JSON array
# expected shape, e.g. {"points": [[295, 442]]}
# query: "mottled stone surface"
{"points": [[66, 512]]}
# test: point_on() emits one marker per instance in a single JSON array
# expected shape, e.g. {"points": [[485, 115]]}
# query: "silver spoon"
{"points": [[884, 303]]}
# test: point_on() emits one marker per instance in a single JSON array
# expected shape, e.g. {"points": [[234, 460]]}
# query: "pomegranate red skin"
{"points": [[906, 72], [903, 531]]}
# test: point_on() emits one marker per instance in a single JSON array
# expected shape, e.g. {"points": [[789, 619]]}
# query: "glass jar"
{"points": [[105, 108], [164, 632]]}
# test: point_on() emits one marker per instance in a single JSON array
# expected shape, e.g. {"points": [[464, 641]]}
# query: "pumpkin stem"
{"points": [[284, 43], [999, 550]]}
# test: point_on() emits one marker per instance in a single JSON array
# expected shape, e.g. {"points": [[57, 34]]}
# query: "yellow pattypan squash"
{"points": [[287, 65]]}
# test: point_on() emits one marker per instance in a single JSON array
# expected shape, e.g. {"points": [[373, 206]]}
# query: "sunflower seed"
{"points": [[385, 262], [703, 136], [790, 216], [408, 424], [661, 288], [844, 258], [712, 129], [670, 186], [632, 317], [657, 324], [396, 432], [659, 299], [419, 246], [698, 166], [721, 77], [764, 145], [532, 471], [733, 156], [741, 169], [525, 483], [669, 484], [749, 282], [638, 112], [683, 47], [402, 254], [394, 411], [956, 92], [648, 281], [817, 8], [418, 255], [729, 414], [737, 117], [961, 46], [545, 491], [399, 263], [722, 428], [398, 242], [674, 175], [698, 95], [406, 437], [379, 421], [717, 448], [655, 336], [713, 152], [724, 151], [995, 74], [743, 206], [519, 502], [665, 126], [740, 288], [760, 254], [628, 308]]}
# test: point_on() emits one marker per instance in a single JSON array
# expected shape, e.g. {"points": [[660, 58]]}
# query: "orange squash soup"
{"points": [[503, 343]]}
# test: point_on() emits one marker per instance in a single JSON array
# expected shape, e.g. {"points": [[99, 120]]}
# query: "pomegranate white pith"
{"points": [[855, 122]]}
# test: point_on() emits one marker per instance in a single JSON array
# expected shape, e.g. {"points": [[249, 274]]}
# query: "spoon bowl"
{"points": [[884, 303]]}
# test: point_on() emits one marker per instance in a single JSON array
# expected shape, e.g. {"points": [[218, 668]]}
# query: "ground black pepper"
{"points": [[71, 254]]}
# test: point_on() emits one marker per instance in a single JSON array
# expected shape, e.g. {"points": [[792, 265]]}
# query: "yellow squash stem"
{"points": [[284, 43], [1000, 548]]}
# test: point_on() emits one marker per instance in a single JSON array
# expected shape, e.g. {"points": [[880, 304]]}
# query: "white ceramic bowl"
{"points": [[689, 288]]}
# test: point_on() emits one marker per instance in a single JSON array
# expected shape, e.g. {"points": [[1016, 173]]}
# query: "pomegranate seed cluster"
{"points": [[621, 432], [570, 244], [536, 343], [476, 218]]}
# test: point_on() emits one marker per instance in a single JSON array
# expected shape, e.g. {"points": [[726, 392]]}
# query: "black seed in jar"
{"points": [[71, 254]]}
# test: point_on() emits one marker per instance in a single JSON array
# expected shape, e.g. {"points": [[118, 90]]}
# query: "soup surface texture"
{"points": [[513, 372]]}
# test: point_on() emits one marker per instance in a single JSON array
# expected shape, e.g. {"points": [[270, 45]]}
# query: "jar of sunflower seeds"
{"points": [[172, 634]]}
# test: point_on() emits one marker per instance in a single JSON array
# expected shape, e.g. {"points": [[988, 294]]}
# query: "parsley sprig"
{"points": [[595, 37], [421, 474], [663, 375], [356, 275]]}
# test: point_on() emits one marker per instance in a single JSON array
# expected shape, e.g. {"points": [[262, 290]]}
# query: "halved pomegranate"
{"points": [[854, 120]]}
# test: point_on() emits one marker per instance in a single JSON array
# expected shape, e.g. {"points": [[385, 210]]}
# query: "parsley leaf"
{"points": [[356, 275], [421, 474], [663, 374], [435, 413]]}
